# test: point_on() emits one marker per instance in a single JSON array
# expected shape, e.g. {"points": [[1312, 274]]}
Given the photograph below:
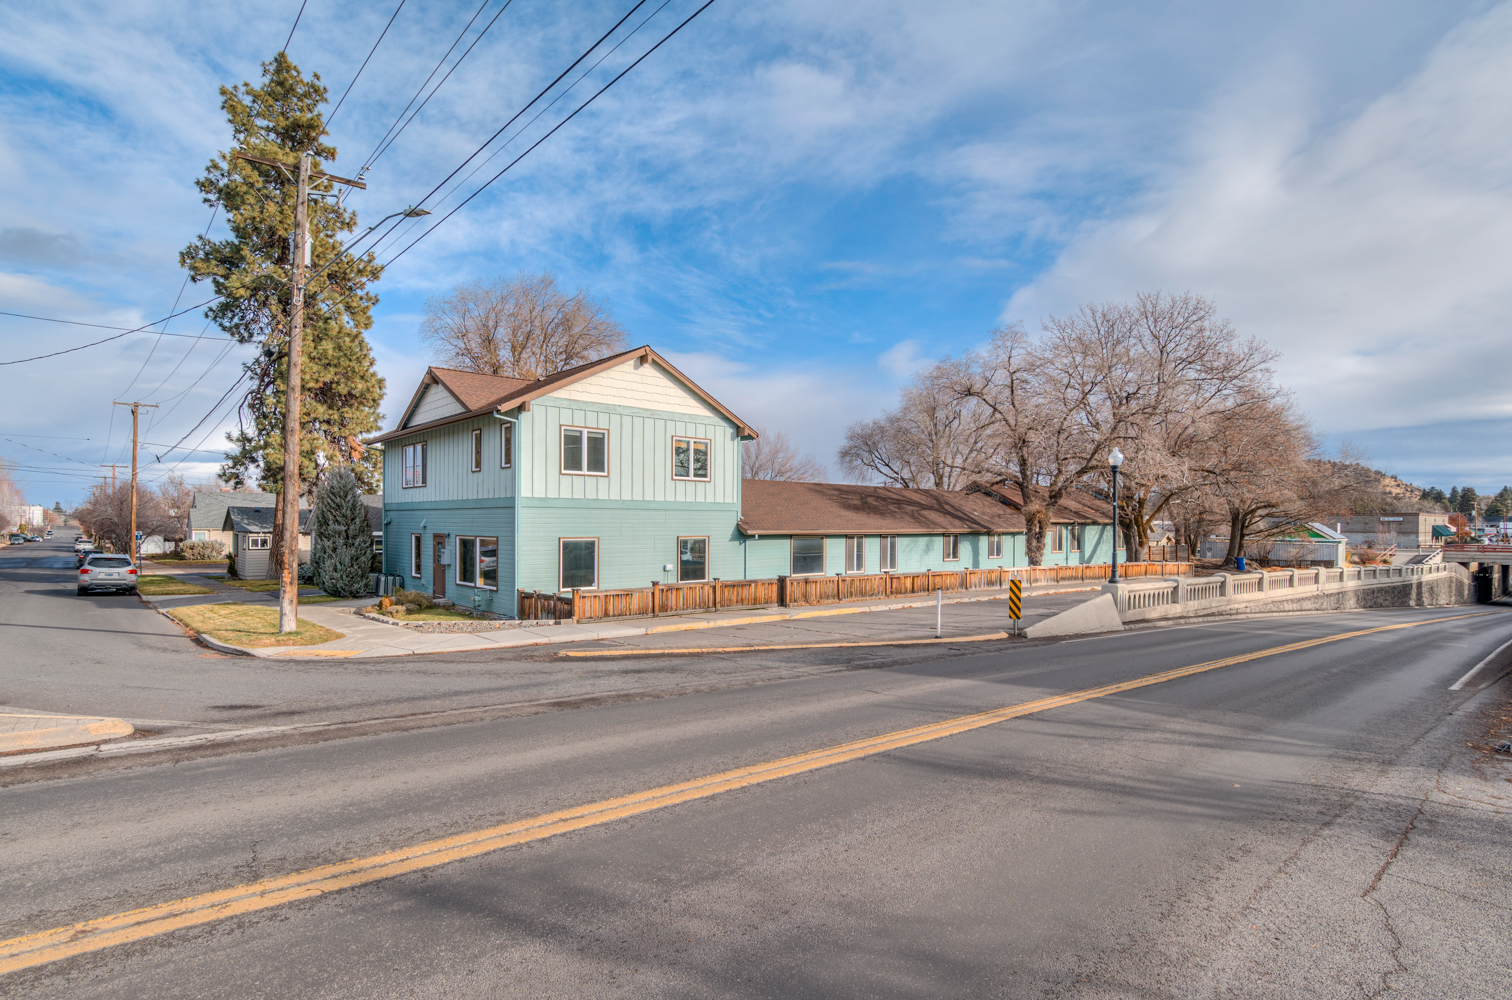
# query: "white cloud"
{"points": [[1371, 251]]}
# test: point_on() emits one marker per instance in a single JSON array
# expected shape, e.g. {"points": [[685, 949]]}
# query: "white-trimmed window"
{"points": [[808, 555], [692, 559], [889, 546], [478, 561], [477, 449], [1073, 537], [506, 445], [952, 548], [855, 553], [579, 563], [1058, 539], [259, 541], [378, 543], [201, 536], [415, 552], [585, 451], [994, 546], [690, 458], [414, 465]]}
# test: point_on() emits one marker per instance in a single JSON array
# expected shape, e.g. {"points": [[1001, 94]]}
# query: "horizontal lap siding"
{"points": [[481, 520], [635, 541], [768, 556]]}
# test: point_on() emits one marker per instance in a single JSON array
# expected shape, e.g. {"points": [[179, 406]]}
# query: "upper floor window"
{"points": [[414, 465], [952, 548], [690, 458], [994, 546], [855, 553], [477, 449], [506, 445], [585, 452], [889, 554]]}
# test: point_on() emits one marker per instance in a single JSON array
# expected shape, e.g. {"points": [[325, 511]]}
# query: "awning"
{"points": [[1443, 531]]}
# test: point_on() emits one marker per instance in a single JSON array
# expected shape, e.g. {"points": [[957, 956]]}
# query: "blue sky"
{"points": [[801, 202]]}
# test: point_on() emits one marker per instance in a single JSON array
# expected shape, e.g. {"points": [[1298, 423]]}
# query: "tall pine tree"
{"points": [[278, 120]]}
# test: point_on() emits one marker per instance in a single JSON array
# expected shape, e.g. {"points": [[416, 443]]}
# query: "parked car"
{"points": [[15, 538], [107, 572], [80, 544]]}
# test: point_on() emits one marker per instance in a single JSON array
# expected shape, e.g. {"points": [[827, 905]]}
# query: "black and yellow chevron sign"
{"points": [[1015, 599]]}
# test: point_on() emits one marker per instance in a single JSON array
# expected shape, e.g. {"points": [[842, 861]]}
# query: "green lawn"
{"points": [[152, 585], [253, 627]]}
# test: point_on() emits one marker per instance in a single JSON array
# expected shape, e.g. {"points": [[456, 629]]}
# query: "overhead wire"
{"points": [[214, 209], [379, 42], [295, 25], [386, 142]]}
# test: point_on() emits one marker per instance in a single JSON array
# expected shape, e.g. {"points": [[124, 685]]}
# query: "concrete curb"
{"points": [[60, 731]]}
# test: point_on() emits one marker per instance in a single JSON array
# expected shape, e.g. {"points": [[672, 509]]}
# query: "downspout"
{"points": [[514, 471]]}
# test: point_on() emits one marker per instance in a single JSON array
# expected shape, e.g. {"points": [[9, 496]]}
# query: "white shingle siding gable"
{"points": [[634, 383], [434, 404]]}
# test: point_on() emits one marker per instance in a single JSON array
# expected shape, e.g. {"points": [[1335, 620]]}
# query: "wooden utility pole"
{"points": [[112, 467], [136, 409], [288, 583]]}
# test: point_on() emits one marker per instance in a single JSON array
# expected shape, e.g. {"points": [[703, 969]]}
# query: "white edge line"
{"points": [[1457, 685]]}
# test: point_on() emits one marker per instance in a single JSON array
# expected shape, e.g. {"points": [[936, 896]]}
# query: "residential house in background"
{"points": [[623, 472], [251, 531]]}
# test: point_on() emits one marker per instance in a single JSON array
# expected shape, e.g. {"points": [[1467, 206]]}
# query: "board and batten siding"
{"points": [[639, 454], [449, 474]]}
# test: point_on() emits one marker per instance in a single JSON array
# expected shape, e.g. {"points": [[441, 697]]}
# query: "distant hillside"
{"points": [[1391, 492]]}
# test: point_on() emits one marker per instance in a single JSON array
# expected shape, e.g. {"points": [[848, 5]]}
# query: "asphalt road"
{"points": [[112, 655], [1308, 823]]}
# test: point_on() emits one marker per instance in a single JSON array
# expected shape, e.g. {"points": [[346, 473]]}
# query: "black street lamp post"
{"points": [[1115, 459]]}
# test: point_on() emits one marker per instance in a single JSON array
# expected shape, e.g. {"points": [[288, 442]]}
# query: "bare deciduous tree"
{"points": [[107, 514], [772, 456], [928, 442], [522, 327]]}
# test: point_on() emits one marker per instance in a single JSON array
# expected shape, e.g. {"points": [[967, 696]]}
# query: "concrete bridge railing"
{"points": [[1175, 597]]}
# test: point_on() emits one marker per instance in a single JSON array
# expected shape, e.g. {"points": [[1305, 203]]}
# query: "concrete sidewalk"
{"points": [[24, 730], [364, 638]]}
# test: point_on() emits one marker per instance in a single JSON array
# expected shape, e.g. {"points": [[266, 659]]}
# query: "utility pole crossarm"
{"points": [[315, 175]]}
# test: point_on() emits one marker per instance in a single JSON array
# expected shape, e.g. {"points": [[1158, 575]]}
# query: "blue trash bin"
{"points": [[1241, 564]]}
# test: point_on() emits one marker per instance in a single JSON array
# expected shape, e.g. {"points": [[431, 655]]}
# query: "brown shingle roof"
{"points": [[841, 509], [475, 390], [1076, 506]]}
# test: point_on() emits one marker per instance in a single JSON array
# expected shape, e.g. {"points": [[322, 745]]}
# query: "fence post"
{"points": [[575, 595], [655, 598], [782, 591]]}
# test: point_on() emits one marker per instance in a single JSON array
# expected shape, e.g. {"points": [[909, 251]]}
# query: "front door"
{"points": [[438, 571]]}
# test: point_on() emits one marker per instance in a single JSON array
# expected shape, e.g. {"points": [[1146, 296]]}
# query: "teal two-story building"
{"points": [[623, 472]]}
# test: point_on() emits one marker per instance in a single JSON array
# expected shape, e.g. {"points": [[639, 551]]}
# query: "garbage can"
{"points": [[1241, 564]]}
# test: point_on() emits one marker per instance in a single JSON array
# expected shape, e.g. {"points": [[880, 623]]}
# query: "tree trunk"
{"points": [[276, 549], [1236, 540], [1036, 524]]}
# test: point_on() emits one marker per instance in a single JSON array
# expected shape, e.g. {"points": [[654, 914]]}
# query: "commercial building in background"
{"points": [[1404, 530]]}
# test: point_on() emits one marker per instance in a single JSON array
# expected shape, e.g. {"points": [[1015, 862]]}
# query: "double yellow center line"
{"points": [[58, 943]]}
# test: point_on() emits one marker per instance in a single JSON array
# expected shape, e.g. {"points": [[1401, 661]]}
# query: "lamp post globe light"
{"points": [[1115, 459]]}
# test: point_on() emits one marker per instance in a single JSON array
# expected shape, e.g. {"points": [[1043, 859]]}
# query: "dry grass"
{"points": [[253, 627], [151, 585], [433, 615]]}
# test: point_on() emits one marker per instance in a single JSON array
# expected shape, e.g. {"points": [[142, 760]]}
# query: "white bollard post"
{"points": [[938, 633]]}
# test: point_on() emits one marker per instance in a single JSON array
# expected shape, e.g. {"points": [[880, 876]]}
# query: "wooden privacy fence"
{"points": [[803, 591]]}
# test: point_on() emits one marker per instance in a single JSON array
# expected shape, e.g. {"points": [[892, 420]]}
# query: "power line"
{"points": [[386, 27], [549, 134], [386, 142], [296, 24], [103, 326], [176, 300]]}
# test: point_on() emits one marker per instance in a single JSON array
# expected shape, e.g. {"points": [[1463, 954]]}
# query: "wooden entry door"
{"points": [[438, 571]]}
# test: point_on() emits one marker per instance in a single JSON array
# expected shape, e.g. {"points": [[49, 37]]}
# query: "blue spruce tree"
{"points": [[343, 543]]}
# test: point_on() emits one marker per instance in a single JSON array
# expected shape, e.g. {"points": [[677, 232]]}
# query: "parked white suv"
{"points": [[107, 572]]}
